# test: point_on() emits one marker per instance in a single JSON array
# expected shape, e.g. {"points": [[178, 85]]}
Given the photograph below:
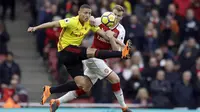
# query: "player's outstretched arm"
{"points": [[109, 35], [114, 45], [106, 35], [44, 25]]}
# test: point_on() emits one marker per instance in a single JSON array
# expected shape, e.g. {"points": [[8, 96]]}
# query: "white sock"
{"points": [[120, 98], [68, 97]]}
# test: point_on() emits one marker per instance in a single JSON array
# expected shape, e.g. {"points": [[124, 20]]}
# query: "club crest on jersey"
{"points": [[66, 20], [106, 70]]}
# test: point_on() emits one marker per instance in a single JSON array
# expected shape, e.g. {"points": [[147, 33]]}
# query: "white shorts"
{"points": [[96, 69]]}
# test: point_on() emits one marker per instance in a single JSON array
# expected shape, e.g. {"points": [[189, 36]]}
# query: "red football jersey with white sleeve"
{"points": [[100, 43]]}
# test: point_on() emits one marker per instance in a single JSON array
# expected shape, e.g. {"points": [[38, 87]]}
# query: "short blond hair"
{"points": [[119, 8]]}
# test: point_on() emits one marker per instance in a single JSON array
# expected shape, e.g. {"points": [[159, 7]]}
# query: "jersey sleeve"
{"points": [[95, 28], [122, 34], [65, 22], [97, 21]]}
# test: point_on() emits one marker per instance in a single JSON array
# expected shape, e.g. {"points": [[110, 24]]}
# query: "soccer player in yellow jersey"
{"points": [[70, 52]]}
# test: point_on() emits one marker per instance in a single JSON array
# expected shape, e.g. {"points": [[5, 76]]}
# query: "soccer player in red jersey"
{"points": [[97, 68]]}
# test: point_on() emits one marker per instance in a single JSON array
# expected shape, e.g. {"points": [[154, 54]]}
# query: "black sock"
{"points": [[104, 54], [68, 86]]}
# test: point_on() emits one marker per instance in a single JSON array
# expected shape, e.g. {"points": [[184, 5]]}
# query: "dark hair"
{"points": [[85, 6]]}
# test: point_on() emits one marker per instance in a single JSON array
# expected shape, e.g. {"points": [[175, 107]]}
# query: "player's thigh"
{"points": [[113, 78], [72, 63], [98, 67], [91, 75], [80, 52]]}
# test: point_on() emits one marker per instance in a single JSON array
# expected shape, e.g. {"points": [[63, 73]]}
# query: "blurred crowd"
{"points": [[164, 69], [11, 91]]}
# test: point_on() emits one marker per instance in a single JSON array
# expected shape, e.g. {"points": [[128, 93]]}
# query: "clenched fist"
{"points": [[31, 29]]}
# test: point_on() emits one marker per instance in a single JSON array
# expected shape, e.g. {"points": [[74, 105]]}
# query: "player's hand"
{"points": [[31, 29]]}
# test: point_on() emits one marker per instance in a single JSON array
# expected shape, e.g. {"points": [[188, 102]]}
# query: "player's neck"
{"points": [[82, 22]]}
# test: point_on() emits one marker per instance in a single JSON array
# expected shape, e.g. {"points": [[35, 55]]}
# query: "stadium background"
{"points": [[163, 72]]}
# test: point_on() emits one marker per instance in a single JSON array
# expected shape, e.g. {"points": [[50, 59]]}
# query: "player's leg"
{"points": [[74, 66], [102, 71], [54, 103], [91, 79], [115, 81], [104, 54]]}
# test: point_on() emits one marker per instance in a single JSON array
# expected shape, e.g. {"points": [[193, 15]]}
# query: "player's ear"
{"points": [[79, 12]]}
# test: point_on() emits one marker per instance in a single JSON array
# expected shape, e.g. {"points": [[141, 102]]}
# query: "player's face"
{"points": [[118, 14], [84, 14]]}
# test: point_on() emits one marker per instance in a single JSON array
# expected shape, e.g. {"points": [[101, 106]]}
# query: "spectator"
{"points": [[171, 76], [160, 57], [141, 10], [137, 60], [197, 89], [188, 54], [8, 69], [162, 6], [134, 83], [12, 102], [195, 69], [151, 36], [149, 72], [184, 92], [104, 6], [182, 5], [135, 32], [4, 38], [155, 18], [6, 4], [161, 89], [196, 7], [125, 3], [142, 98], [52, 36], [167, 53], [170, 29], [190, 27]]}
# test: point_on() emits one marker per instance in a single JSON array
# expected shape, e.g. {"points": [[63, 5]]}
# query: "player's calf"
{"points": [[115, 81], [83, 83]]}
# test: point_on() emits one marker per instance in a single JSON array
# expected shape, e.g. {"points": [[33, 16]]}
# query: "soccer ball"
{"points": [[108, 19]]}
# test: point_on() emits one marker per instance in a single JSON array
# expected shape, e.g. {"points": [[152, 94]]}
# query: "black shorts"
{"points": [[72, 57]]}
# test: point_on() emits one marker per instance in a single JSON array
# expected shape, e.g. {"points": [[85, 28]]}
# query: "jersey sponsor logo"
{"points": [[102, 39], [77, 34]]}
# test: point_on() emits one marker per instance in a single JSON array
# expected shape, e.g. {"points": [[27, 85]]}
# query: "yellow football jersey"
{"points": [[73, 32]]}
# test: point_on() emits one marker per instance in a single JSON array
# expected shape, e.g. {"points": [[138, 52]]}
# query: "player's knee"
{"points": [[113, 78], [87, 85], [91, 52], [79, 81]]}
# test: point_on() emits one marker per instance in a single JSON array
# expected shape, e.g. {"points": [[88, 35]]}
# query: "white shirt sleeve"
{"points": [[122, 33], [98, 21]]}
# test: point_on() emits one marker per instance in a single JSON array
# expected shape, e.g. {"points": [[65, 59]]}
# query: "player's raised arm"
{"points": [[44, 25]]}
